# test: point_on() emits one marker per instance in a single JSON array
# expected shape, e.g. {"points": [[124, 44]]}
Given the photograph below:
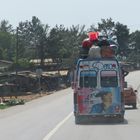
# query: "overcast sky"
{"points": [[72, 12]]}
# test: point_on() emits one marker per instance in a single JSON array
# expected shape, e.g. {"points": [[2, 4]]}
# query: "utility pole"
{"points": [[16, 52], [137, 55]]}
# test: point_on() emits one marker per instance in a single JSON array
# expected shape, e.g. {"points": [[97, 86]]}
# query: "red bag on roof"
{"points": [[93, 36], [86, 43]]}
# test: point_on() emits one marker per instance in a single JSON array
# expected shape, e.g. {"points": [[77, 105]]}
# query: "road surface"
{"points": [[51, 118]]}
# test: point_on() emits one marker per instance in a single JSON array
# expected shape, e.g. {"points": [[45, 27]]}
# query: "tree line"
{"points": [[35, 40]]}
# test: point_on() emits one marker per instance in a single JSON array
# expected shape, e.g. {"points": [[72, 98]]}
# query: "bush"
{"points": [[22, 64], [3, 106], [13, 102]]}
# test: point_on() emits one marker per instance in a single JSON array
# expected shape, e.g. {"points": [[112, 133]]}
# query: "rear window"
{"points": [[109, 79], [88, 79]]}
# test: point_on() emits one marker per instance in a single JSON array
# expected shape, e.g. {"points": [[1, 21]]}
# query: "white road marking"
{"points": [[48, 136]]}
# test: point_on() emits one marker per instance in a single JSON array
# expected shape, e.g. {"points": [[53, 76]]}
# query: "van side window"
{"points": [[88, 79], [109, 79]]}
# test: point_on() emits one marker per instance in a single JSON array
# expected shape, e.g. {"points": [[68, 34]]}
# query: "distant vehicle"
{"points": [[130, 97]]}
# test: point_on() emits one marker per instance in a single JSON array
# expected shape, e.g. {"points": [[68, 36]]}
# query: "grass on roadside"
{"points": [[3, 106]]}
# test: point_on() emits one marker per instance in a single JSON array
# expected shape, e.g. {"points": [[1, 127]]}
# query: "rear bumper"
{"points": [[117, 118], [100, 115]]}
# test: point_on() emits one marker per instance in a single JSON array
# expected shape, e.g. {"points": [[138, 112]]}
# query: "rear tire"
{"points": [[81, 119], [120, 118], [77, 119], [134, 106]]}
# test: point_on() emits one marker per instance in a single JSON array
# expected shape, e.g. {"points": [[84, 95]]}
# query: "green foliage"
{"points": [[109, 28], [135, 40], [6, 33], [55, 42], [5, 45], [3, 106], [134, 47], [32, 39], [6, 27], [23, 63], [13, 102], [65, 43], [37, 41], [122, 33], [106, 26]]}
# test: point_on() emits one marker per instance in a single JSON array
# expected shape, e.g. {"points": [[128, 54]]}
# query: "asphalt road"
{"points": [[51, 118], [34, 120]]}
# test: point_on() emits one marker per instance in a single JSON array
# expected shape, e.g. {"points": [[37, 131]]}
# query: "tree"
{"points": [[107, 26], [33, 39], [39, 33], [135, 40], [122, 33], [6, 27], [6, 41], [64, 43], [134, 46], [111, 29], [92, 28], [76, 35], [56, 42]]}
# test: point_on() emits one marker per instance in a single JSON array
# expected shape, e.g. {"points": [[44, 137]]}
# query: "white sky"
{"points": [[72, 12]]}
